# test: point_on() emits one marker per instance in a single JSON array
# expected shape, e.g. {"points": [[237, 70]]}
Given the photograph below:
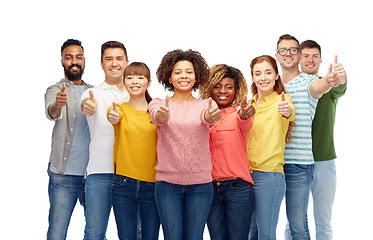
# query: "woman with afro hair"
{"points": [[183, 188]]}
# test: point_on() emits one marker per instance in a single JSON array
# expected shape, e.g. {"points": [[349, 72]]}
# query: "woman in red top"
{"points": [[233, 201]]}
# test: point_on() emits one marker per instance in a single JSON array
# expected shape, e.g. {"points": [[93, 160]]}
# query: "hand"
{"points": [[339, 70], [332, 78], [283, 106], [89, 105], [163, 112], [212, 114], [247, 110], [113, 116], [61, 98]]}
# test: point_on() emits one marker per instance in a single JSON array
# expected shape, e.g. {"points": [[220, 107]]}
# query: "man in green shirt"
{"points": [[324, 183]]}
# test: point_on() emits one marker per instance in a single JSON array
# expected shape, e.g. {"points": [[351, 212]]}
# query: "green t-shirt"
{"points": [[323, 124]]}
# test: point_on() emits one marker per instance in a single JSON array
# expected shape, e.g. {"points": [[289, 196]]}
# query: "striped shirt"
{"points": [[299, 151]]}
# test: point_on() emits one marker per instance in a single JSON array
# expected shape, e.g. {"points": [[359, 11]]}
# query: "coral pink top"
{"points": [[228, 146]]}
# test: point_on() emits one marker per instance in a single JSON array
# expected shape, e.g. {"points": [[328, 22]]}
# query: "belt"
{"points": [[223, 179]]}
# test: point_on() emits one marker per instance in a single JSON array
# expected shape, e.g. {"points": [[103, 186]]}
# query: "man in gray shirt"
{"points": [[70, 140]]}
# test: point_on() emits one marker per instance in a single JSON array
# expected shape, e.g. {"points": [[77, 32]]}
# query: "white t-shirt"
{"points": [[101, 130]]}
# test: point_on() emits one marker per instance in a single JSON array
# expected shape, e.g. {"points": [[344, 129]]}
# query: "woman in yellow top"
{"points": [[266, 144], [135, 158]]}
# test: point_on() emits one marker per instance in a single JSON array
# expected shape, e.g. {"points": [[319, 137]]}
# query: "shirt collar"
{"points": [[228, 110], [268, 99]]}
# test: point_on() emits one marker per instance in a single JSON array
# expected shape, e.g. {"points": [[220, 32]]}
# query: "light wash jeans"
{"points": [[98, 190], [133, 198], [298, 179], [323, 191], [231, 210], [269, 191], [183, 209], [64, 191]]}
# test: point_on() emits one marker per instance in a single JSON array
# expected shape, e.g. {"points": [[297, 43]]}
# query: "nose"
{"points": [[183, 74], [223, 90]]}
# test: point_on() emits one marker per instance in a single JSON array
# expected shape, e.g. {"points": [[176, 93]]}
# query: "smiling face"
{"points": [[73, 62], [114, 62], [310, 60], [136, 85], [264, 77], [182, 76], [224, 92], [288, 61]]}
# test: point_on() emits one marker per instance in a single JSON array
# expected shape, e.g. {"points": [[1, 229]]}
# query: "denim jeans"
{"points": [[98, 188], [269, 191], [323, 190], [298, 179], [130, 197], [183, 209], [231, 210], [63, 191]]}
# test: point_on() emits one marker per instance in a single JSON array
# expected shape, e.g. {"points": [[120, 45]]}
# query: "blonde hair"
{"points": [[217, 73]]}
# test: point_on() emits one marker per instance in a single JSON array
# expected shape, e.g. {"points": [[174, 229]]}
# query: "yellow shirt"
{"points": [[135, 146], [266, 140]]}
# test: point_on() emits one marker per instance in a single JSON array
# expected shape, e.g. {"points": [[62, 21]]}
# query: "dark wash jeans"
{"points": [[231, 210], [130, 198]]}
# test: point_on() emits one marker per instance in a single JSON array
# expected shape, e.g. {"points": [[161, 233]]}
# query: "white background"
{"points": [[231, 32]]}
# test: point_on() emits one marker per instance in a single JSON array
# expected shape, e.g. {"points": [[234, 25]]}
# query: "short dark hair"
{"points": [[113, 44], [70, 42], [286, 37], [310, 44], [201, 69]]}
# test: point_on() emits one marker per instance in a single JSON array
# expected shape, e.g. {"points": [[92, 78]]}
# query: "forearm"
{"points": [[54, 111], [319, 87]]}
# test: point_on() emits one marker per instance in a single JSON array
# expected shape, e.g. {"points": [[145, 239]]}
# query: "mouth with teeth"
{"points": [[183, 83], [135, 88]]}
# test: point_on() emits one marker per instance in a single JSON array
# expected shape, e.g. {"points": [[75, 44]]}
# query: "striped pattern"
{"points": [[299, 151]]}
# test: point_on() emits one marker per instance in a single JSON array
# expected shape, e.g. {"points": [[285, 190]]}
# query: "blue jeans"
{"points": [[231, 210], [269, 191], [298, 179], [183, 209], [130, 197], [323, 190], [64, 191], [98, 188]]}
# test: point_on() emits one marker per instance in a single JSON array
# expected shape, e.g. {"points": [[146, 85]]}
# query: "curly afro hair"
{"points": [[168, 62]]}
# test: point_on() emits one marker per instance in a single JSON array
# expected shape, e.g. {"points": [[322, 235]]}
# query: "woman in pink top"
{"points": [[233, 201], [183, 187]]}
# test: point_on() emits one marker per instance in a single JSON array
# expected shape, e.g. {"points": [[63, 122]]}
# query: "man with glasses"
{"points": [[304, 90], [324, 175]]}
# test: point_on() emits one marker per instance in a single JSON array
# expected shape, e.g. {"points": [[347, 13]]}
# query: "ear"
{"points": [[102, 65], [149, 83], [277, 77]]}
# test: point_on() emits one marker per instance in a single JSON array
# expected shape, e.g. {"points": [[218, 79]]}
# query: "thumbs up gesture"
{"points": [[247, 110], [212, 114], [113, 116], [61, 98], [339, 70], [332, 78], [89, 105], [283, 106], [163, 112]]}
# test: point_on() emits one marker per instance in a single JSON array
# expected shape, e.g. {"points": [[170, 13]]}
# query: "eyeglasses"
{"points": [[283, 51]]}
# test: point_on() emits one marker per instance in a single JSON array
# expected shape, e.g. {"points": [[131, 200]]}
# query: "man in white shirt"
{"points": [[94, 104]]}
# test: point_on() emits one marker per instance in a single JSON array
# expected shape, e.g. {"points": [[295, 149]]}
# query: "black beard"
{"points": [[74, 76]]}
